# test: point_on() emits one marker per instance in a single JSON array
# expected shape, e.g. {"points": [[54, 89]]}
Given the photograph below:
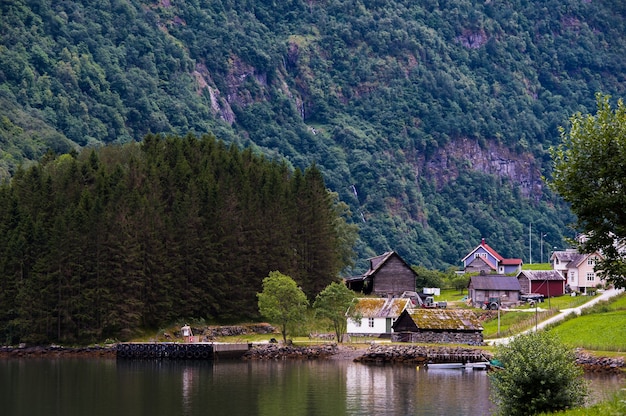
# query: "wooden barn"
{"points": [[388, 276], [546, 282], [484, 287], [455, 326]]}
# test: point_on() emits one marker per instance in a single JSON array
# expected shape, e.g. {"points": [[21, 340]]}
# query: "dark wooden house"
{"points": [[388, 276], [485, 287], [458, 326], [546, 282]]}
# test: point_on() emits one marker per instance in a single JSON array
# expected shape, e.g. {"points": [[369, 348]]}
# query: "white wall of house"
{"points": [[581, 278], [369, 326], [587, 278]]}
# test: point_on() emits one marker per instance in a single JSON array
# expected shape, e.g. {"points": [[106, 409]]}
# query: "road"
{"points": [[561, 315]]}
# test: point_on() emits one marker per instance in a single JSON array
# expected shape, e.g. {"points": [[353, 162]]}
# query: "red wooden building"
{"points": [[546, 282]]}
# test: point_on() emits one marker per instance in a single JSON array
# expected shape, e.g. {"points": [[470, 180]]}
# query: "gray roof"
{"points": [[571, 256], [541, 275], [495, 282]]}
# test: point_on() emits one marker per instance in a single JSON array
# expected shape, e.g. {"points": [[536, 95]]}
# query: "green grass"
{"points": [[599, 331], [537, 266], [512, 322], [561, 302], [615, 406]]}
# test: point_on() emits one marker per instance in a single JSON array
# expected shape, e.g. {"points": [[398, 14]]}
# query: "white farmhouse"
{"points": [[577, 269], [377, 316]]}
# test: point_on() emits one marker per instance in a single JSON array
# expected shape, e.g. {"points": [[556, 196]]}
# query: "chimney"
{"points": [[482, 242]]}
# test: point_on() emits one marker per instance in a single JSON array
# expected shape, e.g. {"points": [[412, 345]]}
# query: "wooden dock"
{"points": [[180, 351]]}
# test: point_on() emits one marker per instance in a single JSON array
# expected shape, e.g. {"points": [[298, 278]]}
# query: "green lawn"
{"points": [[615, 406], [561, 302], [451, 295], [599, 331], [537, 266], [513, 322]]}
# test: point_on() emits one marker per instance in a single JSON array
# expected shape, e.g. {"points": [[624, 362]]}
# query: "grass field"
{"points": [[616, 406], [601, 328], [513, 322], [537, 266], [561, 302]]}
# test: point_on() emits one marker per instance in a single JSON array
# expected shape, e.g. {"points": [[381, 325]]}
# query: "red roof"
{"points": [[490, 250], [511, 262]]}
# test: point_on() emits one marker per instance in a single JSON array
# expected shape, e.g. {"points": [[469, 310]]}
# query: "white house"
{"points": [[377, 315], [577, 269]]}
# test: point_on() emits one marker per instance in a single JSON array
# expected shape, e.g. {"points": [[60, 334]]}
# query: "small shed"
{"points": [[388, 276], [546, 282], [459, 326], [376, 315], [483, 287]]}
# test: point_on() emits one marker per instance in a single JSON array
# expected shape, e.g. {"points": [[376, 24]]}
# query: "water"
{"points": [[94, 387]]}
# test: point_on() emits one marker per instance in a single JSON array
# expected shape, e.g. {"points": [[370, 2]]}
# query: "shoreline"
{"points": [[372, 354]]}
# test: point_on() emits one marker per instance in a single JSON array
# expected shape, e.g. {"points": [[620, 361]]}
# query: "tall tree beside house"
{"points": [[282, 302], [334, 303], [589, 173]]}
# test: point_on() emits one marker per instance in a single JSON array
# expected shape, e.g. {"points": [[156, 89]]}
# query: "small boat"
{"points": [[479, 366], [482, 365], [445, 366]]}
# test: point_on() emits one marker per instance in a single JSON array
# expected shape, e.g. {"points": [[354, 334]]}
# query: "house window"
{"points": [[591, 261], [571, 276], [591, 276], [371, 322]]}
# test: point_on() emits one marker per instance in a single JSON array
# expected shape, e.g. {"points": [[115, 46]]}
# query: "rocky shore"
{"points": [[592, 364], [57, 351], [282, 352], [375, 353], [418, 354], [409, 354]]}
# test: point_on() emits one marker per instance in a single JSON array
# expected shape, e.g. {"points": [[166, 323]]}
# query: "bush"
{"points": [[539, 375]]}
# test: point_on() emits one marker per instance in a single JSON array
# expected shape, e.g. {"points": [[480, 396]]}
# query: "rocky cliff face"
{"points": [[464, 154]]}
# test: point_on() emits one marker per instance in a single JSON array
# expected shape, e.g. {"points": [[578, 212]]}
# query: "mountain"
{"points": [[433, 120]]}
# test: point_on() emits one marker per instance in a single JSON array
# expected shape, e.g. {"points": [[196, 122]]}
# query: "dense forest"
{"points": [[100, 243], [432, 120]]}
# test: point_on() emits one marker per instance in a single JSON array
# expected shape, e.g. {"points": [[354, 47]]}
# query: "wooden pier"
{"points": [[180, 351]]}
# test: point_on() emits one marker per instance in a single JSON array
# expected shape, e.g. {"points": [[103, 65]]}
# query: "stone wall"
{"points": [[419, 354], [281, 352], [445, 337]]}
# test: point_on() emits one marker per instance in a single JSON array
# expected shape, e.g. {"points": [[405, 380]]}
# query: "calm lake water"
{"points": [[93, 387]]}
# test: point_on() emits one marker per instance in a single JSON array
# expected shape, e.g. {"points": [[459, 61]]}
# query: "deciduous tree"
{"points": [[282, 301], [590, 174], [539, 375], [333, 303]]}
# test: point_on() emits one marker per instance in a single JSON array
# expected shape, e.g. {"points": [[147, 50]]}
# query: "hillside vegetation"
{"points": [[431, 119]]}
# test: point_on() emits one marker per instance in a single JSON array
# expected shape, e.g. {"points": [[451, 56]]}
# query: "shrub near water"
{"points": [[539, 375]]}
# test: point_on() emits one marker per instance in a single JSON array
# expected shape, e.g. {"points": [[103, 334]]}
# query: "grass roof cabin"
{"points": [[377, 316], [454, 326]]}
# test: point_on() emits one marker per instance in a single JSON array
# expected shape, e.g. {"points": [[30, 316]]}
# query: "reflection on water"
{"points": [[107, 387]]}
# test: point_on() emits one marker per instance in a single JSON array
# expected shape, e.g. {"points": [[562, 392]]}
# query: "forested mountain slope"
{"points": [[431, 119]]}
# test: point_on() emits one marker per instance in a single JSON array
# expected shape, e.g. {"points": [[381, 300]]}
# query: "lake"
{"points": [[94, 387]]}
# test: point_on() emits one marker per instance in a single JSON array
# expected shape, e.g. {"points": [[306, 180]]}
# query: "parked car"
{"points": [[532, 298]]}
